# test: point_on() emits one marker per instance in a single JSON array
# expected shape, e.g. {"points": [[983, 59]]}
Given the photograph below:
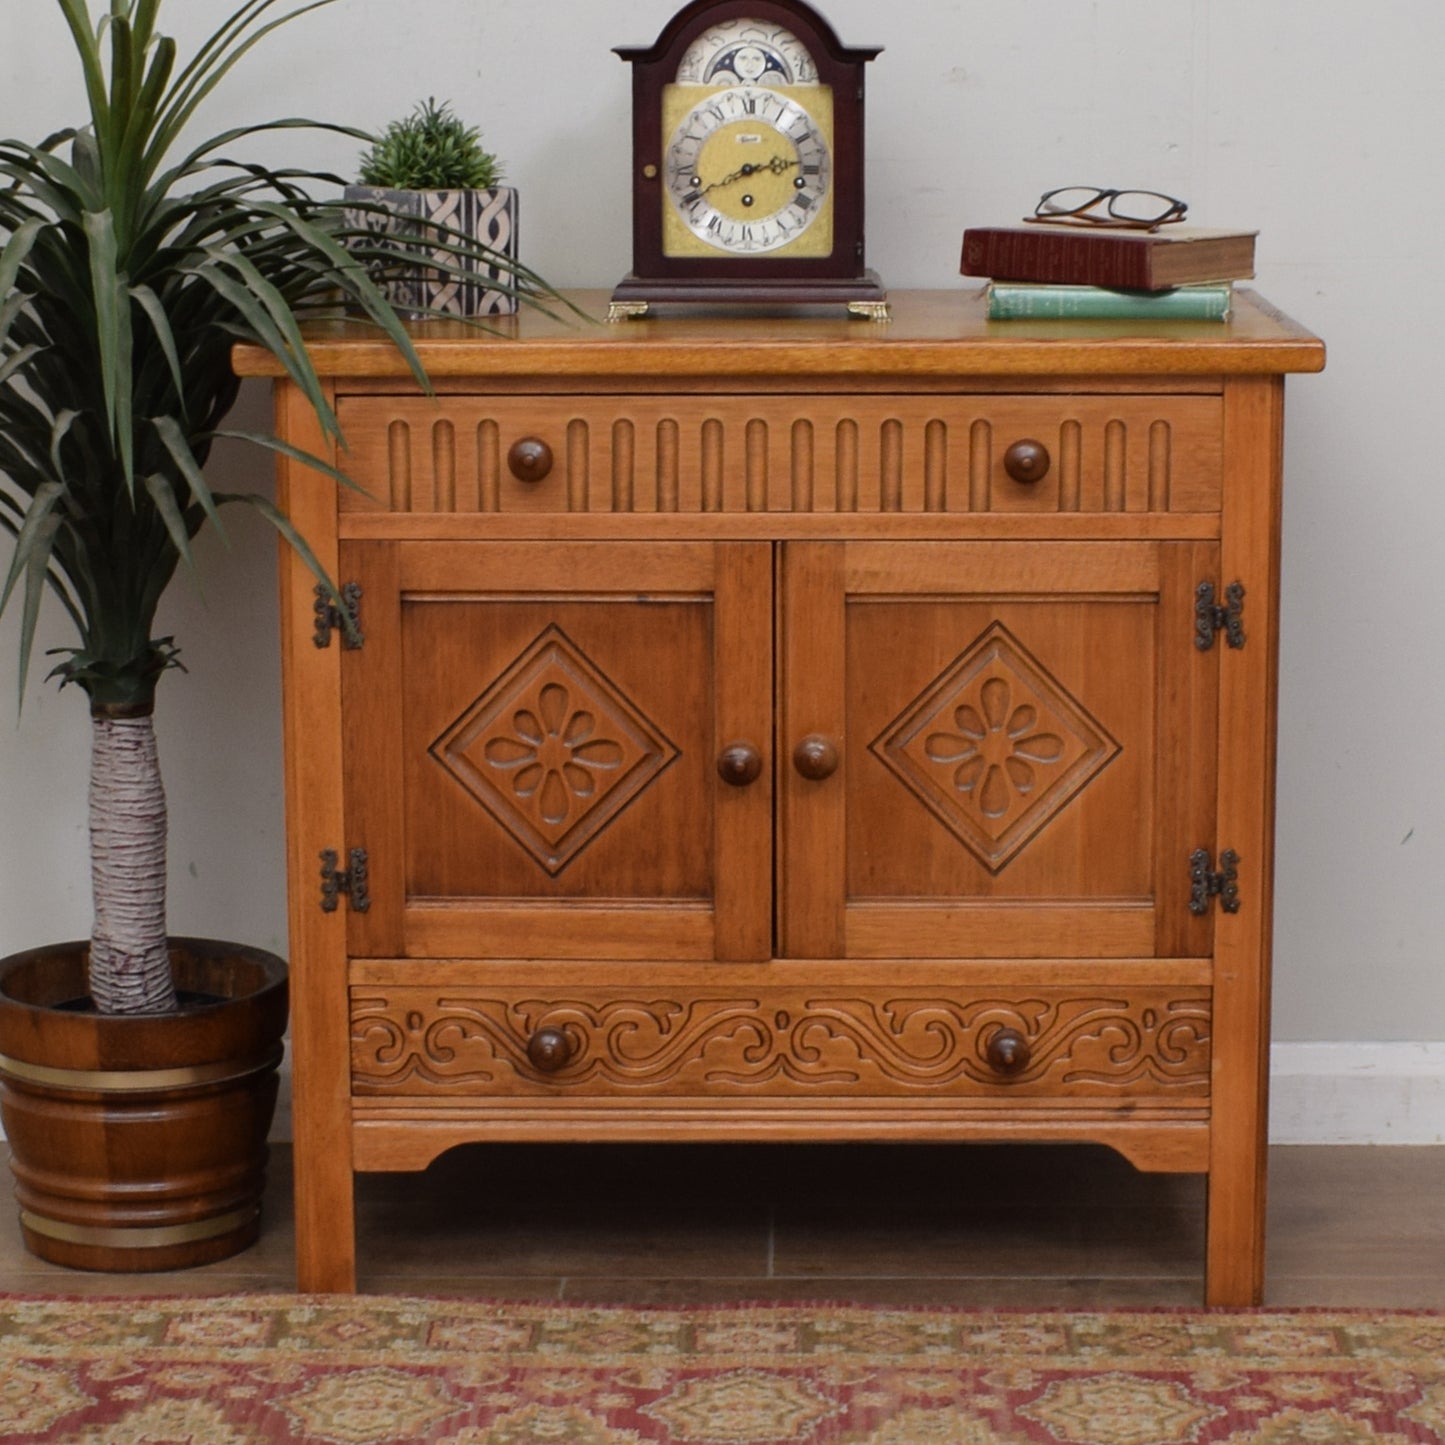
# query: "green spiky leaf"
{"points": [[130, 265]]}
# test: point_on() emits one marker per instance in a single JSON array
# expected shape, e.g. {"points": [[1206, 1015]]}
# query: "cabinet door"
{"points": [[1024, 736], [532, 743]]}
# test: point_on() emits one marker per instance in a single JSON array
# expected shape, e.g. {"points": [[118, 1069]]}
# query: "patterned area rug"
{"points": [[373, 1371]]}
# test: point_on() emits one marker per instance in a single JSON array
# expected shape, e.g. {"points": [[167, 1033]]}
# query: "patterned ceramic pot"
{"points": [[487, 217]]}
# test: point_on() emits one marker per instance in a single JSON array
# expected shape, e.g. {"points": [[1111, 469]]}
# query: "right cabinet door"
{"points": [[994, 749]]}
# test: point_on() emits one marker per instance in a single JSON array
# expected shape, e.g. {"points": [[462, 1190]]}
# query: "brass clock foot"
{"points": [[626, 310], [869, 310]]}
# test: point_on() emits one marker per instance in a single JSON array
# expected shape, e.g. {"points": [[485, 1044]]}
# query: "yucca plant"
{"points": [[131, 261]]}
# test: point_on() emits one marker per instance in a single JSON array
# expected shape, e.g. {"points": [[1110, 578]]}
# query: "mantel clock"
{"points": [[747, 165]]}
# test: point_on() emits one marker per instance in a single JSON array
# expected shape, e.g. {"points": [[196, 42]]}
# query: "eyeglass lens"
{"points": [[1143, 207]]}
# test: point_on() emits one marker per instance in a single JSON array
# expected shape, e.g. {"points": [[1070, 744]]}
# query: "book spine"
{"points": [[1040, 255], [1010, 302]]}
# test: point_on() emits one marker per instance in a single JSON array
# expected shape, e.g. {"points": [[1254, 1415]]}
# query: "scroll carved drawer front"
{"points": [[867, 454], [1089, 1046]]}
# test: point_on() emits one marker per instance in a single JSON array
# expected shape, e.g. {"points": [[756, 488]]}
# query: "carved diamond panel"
{"points": [[995, 747], [553, 750]]}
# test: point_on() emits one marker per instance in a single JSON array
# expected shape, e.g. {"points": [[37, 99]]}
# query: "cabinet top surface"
{"points": [[932, 334]]}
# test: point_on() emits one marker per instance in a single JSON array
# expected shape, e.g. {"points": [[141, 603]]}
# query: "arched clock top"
{"points": [[803, 26]]}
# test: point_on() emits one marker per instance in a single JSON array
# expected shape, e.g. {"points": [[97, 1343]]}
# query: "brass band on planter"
{"points": [[155, 1237], [140, 1080]]}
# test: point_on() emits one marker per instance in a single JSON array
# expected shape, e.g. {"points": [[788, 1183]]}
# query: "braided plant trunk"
{"points": [[130, 968]]}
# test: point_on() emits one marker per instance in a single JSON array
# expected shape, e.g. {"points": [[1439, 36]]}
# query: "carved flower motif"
{"points": [[553, 750], [997, 748], [553, 754]]}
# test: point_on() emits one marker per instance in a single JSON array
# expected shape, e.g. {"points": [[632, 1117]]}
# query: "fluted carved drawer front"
{"points": [[869, 454], [1094, 1045]]}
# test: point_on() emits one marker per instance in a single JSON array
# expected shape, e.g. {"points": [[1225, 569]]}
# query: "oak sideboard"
{"points": [[787, 728]]}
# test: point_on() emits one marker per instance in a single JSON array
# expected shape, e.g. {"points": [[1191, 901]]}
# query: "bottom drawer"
{"points": [[1013, 1044]]}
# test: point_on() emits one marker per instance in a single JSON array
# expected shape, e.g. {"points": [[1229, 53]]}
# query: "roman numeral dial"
{"points": [[747, 171]]}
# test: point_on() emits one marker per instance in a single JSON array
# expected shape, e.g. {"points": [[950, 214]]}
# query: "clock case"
{"points": [[840, 277]]}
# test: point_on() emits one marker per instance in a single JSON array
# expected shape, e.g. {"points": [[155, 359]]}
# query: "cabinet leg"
{"points": [[1234, 1267], [325, 1225]]}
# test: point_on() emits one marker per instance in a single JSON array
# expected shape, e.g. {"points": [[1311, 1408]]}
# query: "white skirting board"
{"points": [[1357, 1093], [1338, 1093]]}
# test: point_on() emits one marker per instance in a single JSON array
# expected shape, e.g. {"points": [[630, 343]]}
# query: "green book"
{"points": [[1024, 301]]}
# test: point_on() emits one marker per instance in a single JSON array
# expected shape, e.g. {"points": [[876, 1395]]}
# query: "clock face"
{"points": [[748, 171]]}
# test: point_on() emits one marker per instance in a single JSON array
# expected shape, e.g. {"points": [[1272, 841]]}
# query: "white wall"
{"points": [[1323, 124]]}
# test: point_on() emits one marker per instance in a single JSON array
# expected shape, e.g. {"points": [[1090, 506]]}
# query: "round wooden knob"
{"points": [[530, 459], [1007, 1051], [549, 1050], [1026, 461], [740, 764], [816, 757]]}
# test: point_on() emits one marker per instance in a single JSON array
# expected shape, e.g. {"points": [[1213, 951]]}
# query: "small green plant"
{"points": [[430, 150]]}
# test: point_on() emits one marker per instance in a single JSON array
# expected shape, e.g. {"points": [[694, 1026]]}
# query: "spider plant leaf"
{"points": [[345, 270], [141, 125], [285, 449], [174, 438], [271, 333], [87, 47], [160, 322], [49, 180], [217, 43], [216, 59], [16, 360], [283, 524], [53, 576], [112, 317], [37, 573], [122, 73], [204, 157], [64, 420], [143, 22], [9, 310], [17, 248], [89, 169], [159, 488], [32, 539], [58, 138]]}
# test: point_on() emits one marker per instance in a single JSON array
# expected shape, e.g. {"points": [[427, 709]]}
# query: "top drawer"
{"points": [[575, 454]]}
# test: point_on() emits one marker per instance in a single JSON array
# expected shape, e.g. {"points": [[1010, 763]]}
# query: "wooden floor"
{"points": [[984, 1225]]}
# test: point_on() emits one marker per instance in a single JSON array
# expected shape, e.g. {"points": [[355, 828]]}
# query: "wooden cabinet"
{"points": [[789, 729]]}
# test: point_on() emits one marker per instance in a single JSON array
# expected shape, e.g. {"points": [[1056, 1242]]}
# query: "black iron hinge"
{"points": [[330, 618], [350, 881], [1205, 883], [1211, 616]]}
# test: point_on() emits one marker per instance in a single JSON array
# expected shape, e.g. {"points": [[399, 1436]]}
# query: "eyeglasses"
{"points": [[1097, 206]]}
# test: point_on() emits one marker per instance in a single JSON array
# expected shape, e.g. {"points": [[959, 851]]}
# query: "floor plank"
{"points": [[988, 1225]]}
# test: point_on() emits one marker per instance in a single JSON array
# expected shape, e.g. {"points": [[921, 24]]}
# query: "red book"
{"points": [[1082, 256]]}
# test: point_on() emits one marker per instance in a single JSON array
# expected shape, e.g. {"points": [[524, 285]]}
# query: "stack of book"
{"points": [[1174, 273]]}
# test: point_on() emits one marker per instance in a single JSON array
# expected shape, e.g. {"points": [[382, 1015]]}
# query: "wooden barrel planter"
{"points": [[138, 1142]]}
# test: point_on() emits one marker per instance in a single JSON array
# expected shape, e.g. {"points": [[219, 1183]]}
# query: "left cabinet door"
{"points": [[561, 750]]}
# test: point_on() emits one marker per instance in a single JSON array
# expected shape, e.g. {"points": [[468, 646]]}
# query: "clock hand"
{"points": [[776, 165]]}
